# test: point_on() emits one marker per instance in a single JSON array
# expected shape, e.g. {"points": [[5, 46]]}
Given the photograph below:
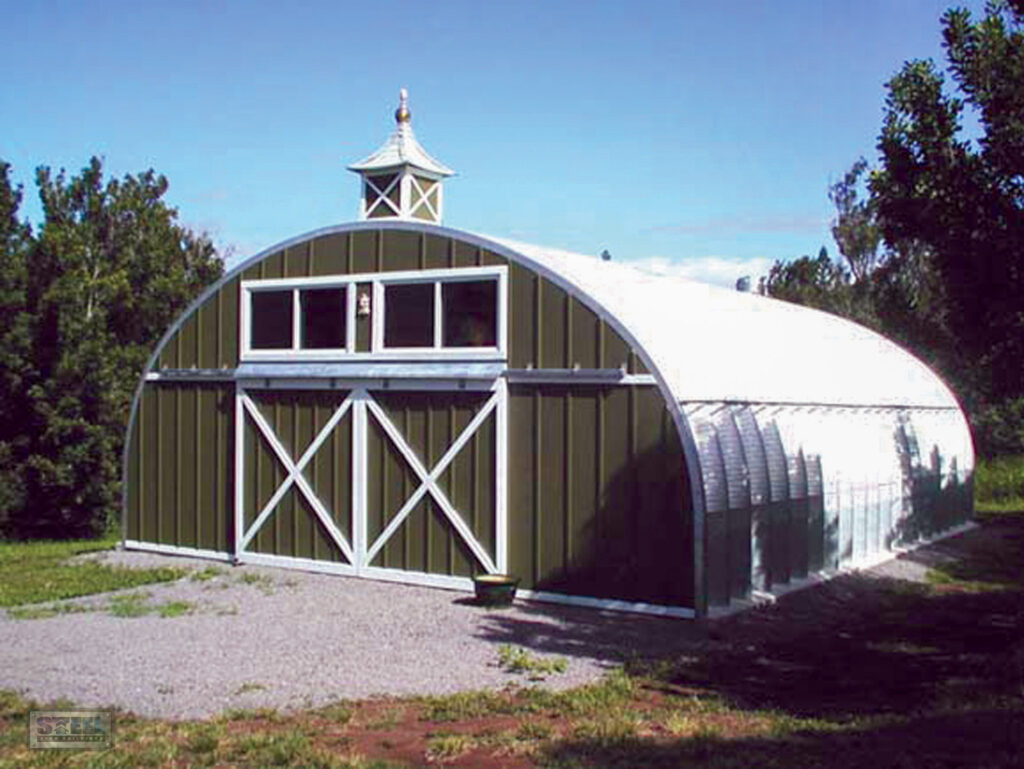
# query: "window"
{"points": [[271, 320], [470, 313], [293, 319], [457, 310], [323, 318], [409, 315], [457, 313]]}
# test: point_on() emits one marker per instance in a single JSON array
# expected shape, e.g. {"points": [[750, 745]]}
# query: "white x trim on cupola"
{"points": [[295, 477], [382, 195], [423, 201], [428, 483]]}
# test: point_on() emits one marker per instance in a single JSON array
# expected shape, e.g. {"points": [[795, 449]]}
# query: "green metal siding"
{"points": [[180, 466], [597, 503]]}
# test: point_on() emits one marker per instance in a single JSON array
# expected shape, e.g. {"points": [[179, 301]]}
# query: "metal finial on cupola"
{"points": [[400, 180], [402, 114]]}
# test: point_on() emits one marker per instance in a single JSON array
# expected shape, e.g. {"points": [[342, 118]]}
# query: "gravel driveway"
{"points": [[261, 637]]}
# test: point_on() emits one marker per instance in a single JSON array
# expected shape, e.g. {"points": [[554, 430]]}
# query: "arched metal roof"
{"points": [[712, 344]]}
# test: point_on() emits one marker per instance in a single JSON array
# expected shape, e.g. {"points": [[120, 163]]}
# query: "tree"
{"points": [[16, 370], [962, 201], [111, 268]]}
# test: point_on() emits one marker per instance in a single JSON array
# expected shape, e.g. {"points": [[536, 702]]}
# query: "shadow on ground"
{"points": [[976, 739], [905, 673]]}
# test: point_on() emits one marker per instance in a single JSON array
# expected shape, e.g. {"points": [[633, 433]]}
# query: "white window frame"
{"points": [[296, 286], [378, 281], [439, 277]]}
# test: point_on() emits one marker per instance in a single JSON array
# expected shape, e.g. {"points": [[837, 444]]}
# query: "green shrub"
{"points": [[1000, 479]]}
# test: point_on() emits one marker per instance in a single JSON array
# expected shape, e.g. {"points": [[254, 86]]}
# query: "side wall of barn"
{"points": [[796, 490]]}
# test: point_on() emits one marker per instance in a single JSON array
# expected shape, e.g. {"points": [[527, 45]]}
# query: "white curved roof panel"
{"points": [[712, 344]]}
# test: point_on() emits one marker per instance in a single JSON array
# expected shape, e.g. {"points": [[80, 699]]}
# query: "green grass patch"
{"points": [[999, 483], [206, 574], [37, 572], [129, 605], [173, 609], [516, 659], [45, 612]]}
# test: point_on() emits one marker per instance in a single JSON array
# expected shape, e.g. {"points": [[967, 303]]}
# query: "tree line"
{"points": [[931, 239], [83, 301]]}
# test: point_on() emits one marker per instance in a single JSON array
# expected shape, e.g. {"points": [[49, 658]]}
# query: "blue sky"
{"points": [[692, 137]]}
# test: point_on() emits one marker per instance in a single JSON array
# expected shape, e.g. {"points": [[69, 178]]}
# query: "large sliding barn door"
{"points": [[406, 485]]}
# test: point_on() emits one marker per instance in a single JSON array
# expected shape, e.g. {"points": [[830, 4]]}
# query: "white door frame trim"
{"points": [[428, 482], [295, 474]]}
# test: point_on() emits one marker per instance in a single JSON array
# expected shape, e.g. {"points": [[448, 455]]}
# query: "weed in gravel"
{"points": [[516, 659], [250, 686], [261, 581], [205, 575], [175, 609], [129, 605], [444, 747], [45, 612]]}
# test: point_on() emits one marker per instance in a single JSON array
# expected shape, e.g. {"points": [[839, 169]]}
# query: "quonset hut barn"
{"points": [[396, 400]]}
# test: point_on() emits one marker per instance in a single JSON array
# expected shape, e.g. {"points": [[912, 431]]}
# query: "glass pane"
{"points": [[323, 318], [470, 313], [271, 325], [409, 315]]}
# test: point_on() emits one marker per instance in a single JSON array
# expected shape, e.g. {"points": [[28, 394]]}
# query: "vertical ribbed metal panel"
{"points": [[596, 501], [179, 467]]}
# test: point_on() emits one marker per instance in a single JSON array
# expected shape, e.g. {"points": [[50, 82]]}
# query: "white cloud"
{"points": [[717, 270]]}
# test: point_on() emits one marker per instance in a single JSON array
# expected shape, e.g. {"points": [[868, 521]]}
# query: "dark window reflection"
{"points": [[470, 313], [271, 326], [409, 315], [323, 318]]}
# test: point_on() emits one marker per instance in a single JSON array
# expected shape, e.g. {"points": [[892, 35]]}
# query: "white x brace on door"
{"points": [[359, 553]]}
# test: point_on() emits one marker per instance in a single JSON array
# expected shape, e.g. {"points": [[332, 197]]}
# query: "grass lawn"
{"points": [[33, 572], [852, 673]]}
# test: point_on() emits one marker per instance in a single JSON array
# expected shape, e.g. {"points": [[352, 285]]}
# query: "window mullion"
{"points": [[438, 316], [296, 320]]}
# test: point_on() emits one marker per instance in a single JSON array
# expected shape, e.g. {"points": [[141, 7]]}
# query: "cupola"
{"points": [[400, 180]]}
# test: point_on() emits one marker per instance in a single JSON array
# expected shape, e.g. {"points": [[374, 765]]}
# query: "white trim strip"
{"points": [[191, 375], [607, 604], [188, 552], [443, 581], [296, 477], [501, 476], [608, 377], [359, 478], [301, 564], [239, 478]]}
